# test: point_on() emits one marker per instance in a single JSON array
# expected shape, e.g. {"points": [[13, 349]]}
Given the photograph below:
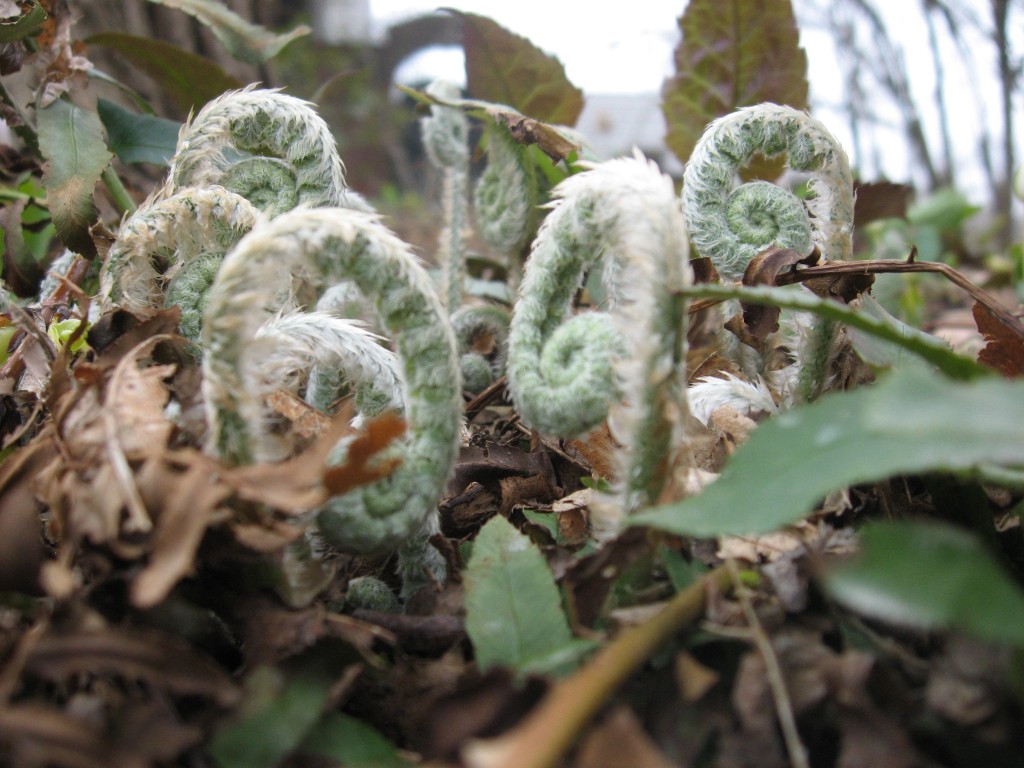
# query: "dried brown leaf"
{"points": [[620, 740], [183, 506], [1004, 347], [362, 465], [761, 320], [304, 482]]}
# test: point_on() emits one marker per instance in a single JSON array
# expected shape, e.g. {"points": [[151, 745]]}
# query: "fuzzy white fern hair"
{"points": [[305, 250], [730, 223], [569, 372]]}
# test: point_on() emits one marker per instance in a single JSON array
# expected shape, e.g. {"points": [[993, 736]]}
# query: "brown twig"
{"points": [[493, 392], [773, 672], [883, 266]]}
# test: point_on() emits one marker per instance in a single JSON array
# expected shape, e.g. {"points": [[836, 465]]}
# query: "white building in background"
{"points": [[342, 22], [614, 123]]}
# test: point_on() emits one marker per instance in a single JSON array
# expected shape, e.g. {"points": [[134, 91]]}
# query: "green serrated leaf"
{"points": [[506, 68], [910, 422], [931, 576], [882, 326], [71, 142], [189, 80], [351, 743], [244, 41], [514, 614], [733, 53], [28, 23], [136, 138]]}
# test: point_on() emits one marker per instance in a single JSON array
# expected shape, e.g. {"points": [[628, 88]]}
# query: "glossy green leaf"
{"points": [[189, 80], [71, 141], [881, 325], [910, 422], [352, 743], [733, 53], [136, 138], [514, 614], [931, 576], [244, 41], [28, 23], [506, 68]]}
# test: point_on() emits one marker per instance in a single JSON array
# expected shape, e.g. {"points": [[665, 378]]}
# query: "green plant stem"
{"points": [[118, 194], [547, 733]]}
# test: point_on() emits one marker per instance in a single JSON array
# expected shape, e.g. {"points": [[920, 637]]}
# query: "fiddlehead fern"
{"points": [[271, 148], [730, 225], [168, 251], [567, 374], [311, 248], [505, 195], [446, 139], [482, 333]]}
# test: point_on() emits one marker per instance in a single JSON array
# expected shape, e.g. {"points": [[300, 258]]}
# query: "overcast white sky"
{"points": [[628, 48]]}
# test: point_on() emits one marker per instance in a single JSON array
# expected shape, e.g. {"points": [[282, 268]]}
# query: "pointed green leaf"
{"points": [[932, 576], [246, 42], [26, 24], [136, 138], [910, 422], [352, 743], [189, 80], [282, 705], [506, 68], [733, 53], [71, 141], [514, 614]]}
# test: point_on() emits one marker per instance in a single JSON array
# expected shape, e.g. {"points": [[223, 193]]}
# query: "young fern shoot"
{"points": [[165, 252], [308, 249], [505, 196], [271, 148], [569, 372], [446, 139], [732, 224]]}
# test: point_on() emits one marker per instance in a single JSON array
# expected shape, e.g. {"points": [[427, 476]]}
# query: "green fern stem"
{"points": [[446, 139], [505, 196], [309, 249], [568, 373], [731, 224]]}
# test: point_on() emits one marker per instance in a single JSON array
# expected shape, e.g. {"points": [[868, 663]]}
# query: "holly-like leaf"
{"points": [[506, 68], [189, 80], [911, 422], [136, 138], [246, 42], [733, 53], [514, 615], [71, 141], [931, 576]]}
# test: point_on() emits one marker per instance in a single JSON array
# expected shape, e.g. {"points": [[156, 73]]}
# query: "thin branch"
{"points": [[773, 672]]}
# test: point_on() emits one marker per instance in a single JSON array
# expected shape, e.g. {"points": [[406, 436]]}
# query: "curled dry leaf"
{"points": [[1004, 347]]}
